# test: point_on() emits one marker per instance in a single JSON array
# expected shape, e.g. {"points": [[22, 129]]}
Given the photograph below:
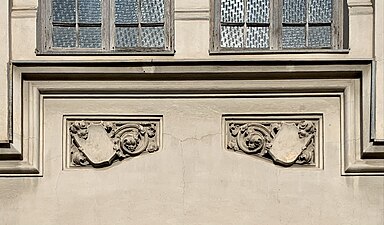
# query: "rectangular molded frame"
{"points": [[105, 117], [32, 82], [284, 117]]}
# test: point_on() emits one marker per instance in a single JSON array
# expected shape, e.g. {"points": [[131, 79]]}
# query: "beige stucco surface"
{"points": [[192, 43], [192, 35], [4, 59], [379, 57], [192, 179]]}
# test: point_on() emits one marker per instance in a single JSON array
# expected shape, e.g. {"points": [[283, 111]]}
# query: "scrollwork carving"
{"points": [[285, 143], [251, 138], [100, 143]]}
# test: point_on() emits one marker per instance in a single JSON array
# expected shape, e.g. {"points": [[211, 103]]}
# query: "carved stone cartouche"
{"points": [[286, 143], [100, 143]]}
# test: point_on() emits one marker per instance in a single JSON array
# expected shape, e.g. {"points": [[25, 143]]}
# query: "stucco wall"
{"points": [[193, 178], [192, 35]]}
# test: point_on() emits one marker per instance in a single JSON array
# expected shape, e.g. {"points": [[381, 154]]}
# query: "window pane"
{"points": [[319, 36], [294, 11], [126, 37], [258, 11], [293, 37], [232, 11], [152, 37], [257, 37], [320, 11], [232, 36], [126, 11], [89, 11], [64, 11], [64, 37], [90, 37], [152, 11]]}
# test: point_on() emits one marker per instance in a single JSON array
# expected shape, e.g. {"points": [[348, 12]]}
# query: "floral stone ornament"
{"points": [[100, 143], [285, 143]]}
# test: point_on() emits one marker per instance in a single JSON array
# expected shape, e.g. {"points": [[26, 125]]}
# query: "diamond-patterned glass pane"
{"points": [[90, 37], [89, 11], [232, 11], [320, 11], [319, 36], [152, 11], [232, 37], [126, 37], [125, 11], [294, 11], [258, 11], [293, 37], [257, 37], [64, 11], [152, 37], [64, 37]]}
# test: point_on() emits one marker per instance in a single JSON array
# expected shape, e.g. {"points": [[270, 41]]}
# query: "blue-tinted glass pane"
{"points": [[257, 37], [152, 11], [232, 37], [89, 11], [320, 11], [64, 11], [126, 37], [125, 11], [294, 11], [232, 11], [319, 36], [152, 37], [90, 37], [64, 37], [293, 37], [258, 11]]}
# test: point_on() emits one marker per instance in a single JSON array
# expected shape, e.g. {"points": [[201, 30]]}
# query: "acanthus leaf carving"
{"points": [[285, 143], [100, 143]]}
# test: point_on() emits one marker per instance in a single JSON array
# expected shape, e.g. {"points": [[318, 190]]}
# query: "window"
{"points": [[257, 25], [105, 26]]}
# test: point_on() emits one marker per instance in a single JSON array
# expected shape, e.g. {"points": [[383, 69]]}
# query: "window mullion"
{"points": [[271, 25], [112, 24], [245, 16], [165, 24], [307, 24], [139, 23], [276, 7], [217, 25], [337, 24], [77, 24], [105, 25], [49, 24]]}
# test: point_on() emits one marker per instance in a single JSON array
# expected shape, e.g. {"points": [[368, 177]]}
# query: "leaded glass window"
{"points": [[106, 26], [254, 25]]}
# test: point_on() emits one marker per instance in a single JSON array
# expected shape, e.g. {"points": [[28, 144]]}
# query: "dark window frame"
{"points": [[45, 37], [339, 27]]}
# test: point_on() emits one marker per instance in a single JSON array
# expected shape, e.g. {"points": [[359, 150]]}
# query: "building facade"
{"points": [[192, 112]]}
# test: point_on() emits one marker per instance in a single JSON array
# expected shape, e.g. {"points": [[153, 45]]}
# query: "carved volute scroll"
{"points": [[285, 142], [99, 143]]}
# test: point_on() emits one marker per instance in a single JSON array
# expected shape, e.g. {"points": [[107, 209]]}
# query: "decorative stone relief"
{"points": [[284, 142], [99, 143]]}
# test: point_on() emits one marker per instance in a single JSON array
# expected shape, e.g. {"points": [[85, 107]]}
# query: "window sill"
{"points": [[288, 51], [103, 53]]}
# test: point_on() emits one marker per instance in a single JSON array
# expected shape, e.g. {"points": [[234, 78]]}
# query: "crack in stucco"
{"points": [[183, 168], [192, 138]]}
